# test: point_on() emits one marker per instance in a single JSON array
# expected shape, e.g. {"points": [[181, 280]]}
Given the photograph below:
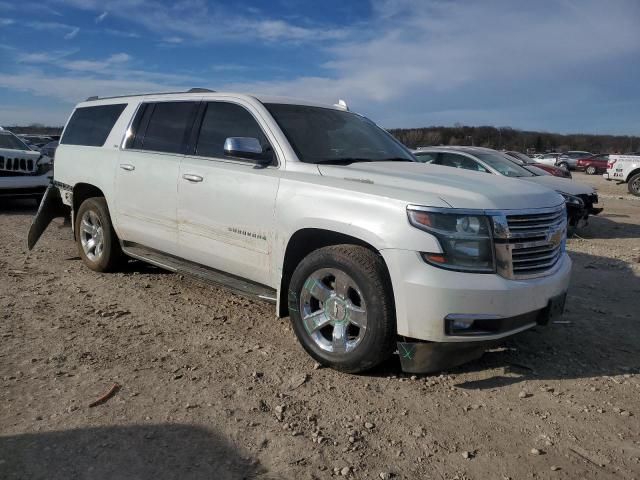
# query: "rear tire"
{"points": [[564, 165], [97, 242], [341, 308], [590, 170], [634, 185]]}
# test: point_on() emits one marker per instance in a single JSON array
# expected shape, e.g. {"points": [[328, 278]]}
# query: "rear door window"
{"points": [[90, 126], [163, 126], [223, 120]]}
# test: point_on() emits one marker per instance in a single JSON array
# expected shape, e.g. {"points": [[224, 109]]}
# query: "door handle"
{"points": [[190, 177], [127, 166]]}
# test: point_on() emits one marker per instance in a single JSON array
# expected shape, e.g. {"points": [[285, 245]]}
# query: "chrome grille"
{"points": [[530, 244], [17, 165]]}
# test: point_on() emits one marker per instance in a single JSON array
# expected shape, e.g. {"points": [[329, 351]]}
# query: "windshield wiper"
{"points": [[345, 161], [350, 160]]}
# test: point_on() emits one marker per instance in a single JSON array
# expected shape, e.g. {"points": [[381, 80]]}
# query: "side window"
{"points": [[167, 125], [90, 126], [460, 161], [223, 120], [427, 157]]}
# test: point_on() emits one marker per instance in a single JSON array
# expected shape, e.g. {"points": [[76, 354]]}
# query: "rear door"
{"points": [[147, 173], [226, 206]]}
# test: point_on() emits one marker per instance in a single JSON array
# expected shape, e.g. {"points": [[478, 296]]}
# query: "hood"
{"points": [[26, 154], [456, 187], [564, 185]]}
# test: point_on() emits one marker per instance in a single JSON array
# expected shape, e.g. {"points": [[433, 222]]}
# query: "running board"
{"points": [[165, 261]]}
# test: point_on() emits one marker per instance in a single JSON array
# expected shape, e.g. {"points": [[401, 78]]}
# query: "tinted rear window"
{"points": [[91, 126], [169, 124]]}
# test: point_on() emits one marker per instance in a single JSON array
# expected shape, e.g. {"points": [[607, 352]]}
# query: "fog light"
{"points": [[462, 324]]}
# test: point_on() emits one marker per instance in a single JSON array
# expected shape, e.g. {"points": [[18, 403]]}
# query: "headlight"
{"points": [[465, 240], [43, 165], [572, 200]]}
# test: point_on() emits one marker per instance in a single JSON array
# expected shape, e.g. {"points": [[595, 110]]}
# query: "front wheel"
{"points": [[341, 308], [98, 244], [634, 185], [590, 170], [564, 165]]}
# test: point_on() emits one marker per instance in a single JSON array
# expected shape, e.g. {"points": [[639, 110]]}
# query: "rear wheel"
{"points": [[342, 308], [591, 170], [634, 185], [564, 165], [98, 244]]}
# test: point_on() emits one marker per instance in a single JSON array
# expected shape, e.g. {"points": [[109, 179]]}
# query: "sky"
{"points": [[568, 66]]}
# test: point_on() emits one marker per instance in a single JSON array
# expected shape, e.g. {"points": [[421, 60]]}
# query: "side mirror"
{"points": [[247, 147]]}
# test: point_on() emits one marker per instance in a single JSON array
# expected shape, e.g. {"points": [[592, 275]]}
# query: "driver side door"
{"points": [[226, 205]]}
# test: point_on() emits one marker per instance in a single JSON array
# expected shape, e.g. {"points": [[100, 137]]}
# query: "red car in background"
{"points": [[530, 162], [592, 165]]}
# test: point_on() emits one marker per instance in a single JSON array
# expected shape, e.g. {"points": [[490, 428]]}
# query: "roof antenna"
{"points": [[341, 105]]}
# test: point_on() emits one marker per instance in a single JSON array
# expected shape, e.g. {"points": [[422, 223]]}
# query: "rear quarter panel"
{"points": [[94, 165]]}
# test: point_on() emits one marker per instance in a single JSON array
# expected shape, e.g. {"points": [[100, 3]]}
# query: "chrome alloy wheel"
{"points": [[91, 235], [333, 310]]}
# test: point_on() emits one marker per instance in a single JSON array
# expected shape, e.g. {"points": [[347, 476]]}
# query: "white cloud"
{"points": [[101, 17], [121, 33], [69, 31], [417, 59], [173, 40], [72, 34], [199, 21], [5, 22], [73, 88]]}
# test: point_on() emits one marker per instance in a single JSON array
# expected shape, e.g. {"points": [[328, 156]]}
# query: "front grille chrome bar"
{"points": [[529, 244]]}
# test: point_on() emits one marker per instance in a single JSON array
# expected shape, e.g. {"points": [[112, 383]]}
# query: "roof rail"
{"points": [[191, 90]]}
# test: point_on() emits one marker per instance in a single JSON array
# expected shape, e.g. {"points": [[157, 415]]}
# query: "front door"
{"points": [[226, 206]]}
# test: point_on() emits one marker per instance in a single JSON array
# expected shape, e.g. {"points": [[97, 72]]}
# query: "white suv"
{"points": [[24, 173], [625, 169], [320, 211]]}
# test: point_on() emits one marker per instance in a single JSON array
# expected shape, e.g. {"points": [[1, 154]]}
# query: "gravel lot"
{"points": [[213, 386]]}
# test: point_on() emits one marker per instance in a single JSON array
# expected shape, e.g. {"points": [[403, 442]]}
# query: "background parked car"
{"points": [[569, 159], [24, 172], [548, 158], [527, 161], [594, 164], [50, 149], [580, 199], [36, 142]]}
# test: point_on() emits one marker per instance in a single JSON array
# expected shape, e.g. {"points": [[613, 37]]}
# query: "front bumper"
{"points": [[425, 296], [24, 185]]}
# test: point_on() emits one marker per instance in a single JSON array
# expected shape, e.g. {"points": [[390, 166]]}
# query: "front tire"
{"points": [[590, 171], [97, 242], [564, 165], [341, 308], [634, 185]]}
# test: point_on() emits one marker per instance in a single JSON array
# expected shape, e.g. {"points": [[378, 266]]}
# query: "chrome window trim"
{"points": [[199, 157]]}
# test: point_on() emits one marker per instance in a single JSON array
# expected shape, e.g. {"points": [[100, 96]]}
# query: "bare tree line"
{"points": [[507, 138]]}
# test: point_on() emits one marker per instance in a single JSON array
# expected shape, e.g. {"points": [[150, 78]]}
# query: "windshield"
{"points": [[11, 142], [503, 165], [324, 135], [521, 156]]}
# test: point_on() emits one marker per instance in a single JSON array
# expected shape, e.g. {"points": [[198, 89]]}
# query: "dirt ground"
{"points": [[213, 386]]}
